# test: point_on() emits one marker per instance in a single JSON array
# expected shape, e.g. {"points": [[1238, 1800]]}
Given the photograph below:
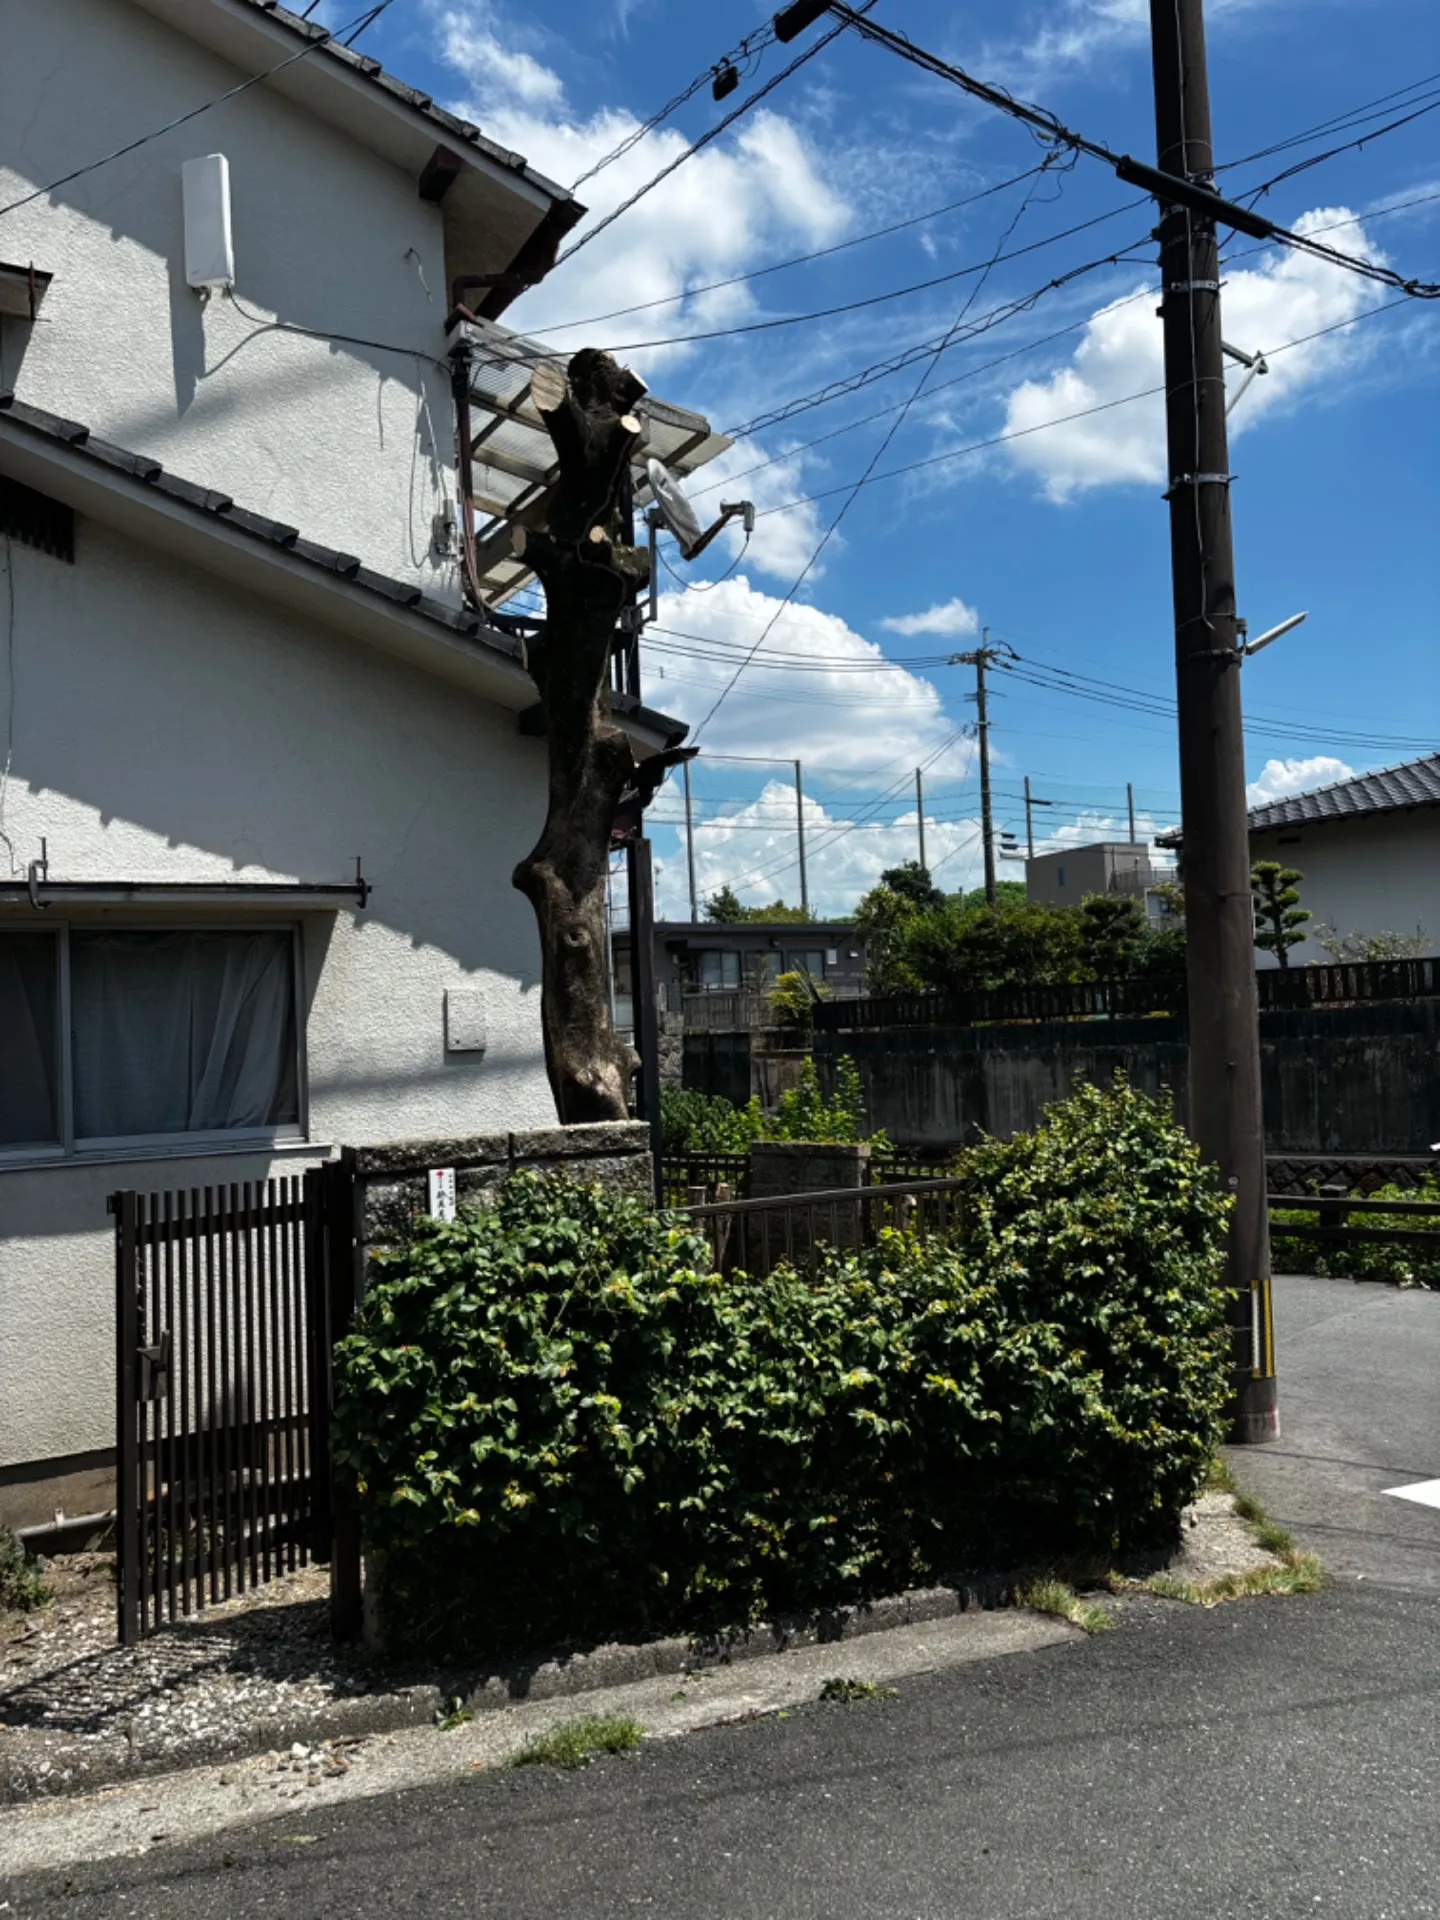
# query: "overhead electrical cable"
{"points": [[323, 39], [800, 260], [1170, 190], [711, 134], [875, 458]]}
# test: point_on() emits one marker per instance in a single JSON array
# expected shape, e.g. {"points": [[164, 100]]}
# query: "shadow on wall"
{"points": [[212, 721], [320, 229]]}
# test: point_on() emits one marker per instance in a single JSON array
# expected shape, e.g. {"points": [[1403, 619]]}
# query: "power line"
{"points": [[878, 454], [800, 260], [1169, 189], [1061, 420], [706, 138], [323, 38]]}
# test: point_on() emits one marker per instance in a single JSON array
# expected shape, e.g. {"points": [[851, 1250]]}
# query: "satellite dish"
{"points": [[675, 510]]}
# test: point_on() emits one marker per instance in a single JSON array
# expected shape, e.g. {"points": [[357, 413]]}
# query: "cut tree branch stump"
{"points": [[590, 573]]}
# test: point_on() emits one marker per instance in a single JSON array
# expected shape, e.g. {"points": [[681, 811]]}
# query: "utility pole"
{"points": [[981, 657], [1225, 1111], [690, 843], [1032, 801], [800, 834], [1130, 809], [920, 812]]}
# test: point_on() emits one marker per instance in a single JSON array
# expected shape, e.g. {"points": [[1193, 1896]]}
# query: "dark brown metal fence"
{"points": [[1280, 989], [756, 1236], [683, 1174], [222, 1392]]}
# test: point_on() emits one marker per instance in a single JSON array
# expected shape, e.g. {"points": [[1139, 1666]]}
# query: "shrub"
{"points": [[706, 1123], [21, 1588], [564, 1426], [1401, 1266]]}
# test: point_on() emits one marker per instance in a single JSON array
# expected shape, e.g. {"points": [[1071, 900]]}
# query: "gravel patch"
{"points": [[261, 1675]]}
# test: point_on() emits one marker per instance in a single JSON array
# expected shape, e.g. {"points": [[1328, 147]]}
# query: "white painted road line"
{"points": [[1425, 1493]]}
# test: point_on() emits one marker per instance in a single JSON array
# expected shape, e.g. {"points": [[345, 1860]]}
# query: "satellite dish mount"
{"points": [[674, 512]]}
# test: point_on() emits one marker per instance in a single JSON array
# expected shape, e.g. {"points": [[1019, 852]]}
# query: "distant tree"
{"points": [[1279, 917], [880, 921], [1112, 927], [913, 883], [724, 908], [792, 997], [1007, 893], [777, 913], [962, 949]]}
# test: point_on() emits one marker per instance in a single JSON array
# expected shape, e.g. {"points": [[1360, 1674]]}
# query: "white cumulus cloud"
{"points": [[816, 690], [754, 849], [950, 618], [1278, 779], [1286, 298]]}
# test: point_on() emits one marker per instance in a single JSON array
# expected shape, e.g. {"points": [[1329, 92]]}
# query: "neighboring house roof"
{"points": [[206, 528], [1397, 789], [353, 92]]}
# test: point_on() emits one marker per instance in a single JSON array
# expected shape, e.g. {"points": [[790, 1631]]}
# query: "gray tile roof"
{"points": [[1414, 783], [370, 69], [149, 475]]}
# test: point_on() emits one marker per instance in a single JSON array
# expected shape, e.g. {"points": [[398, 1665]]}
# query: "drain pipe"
{"points": [[36, 1539]]}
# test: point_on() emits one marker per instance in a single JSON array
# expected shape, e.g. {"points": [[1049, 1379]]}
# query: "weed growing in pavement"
{"points": [[849, 1691], [456, 1714], [21, 1588], [575, 1742], [1297, 1572], [1054, 1596]]}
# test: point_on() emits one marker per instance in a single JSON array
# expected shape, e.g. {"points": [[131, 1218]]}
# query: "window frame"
{"points": [[157, 1146]]}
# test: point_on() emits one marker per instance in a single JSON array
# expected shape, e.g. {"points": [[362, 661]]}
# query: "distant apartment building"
{"points": [[1064, 878]]}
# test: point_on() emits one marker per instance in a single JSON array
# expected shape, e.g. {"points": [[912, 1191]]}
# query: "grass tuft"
{"points": [[1297, 1573], [1055, 1597], [848, 1691], [574, 1743]]}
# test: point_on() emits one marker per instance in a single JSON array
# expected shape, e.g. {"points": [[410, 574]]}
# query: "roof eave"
{"points": [[63, 460], [497, 201]]}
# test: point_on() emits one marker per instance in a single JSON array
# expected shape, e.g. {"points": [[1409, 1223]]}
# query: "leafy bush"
{"points": [[706, 1123], [1401, 1266], [564, 1425], [793, 997], [21, 1588]]}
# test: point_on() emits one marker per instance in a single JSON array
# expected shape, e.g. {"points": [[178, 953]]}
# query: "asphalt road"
{"points": [[1277, 1757]]}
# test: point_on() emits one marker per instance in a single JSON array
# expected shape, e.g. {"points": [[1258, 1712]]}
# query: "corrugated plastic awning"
{"points": [[515, 461]]}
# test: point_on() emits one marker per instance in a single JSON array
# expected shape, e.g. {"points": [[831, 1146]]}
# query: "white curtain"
{"points": [[181, 1032], [29, 1077]]}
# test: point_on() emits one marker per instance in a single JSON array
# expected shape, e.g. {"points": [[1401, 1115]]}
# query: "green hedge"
{"points": [[1400, 1266], [565, 1427]]}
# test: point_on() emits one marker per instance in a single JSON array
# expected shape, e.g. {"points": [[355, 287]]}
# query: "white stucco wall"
{"points": [[1373, 874], [168, 728], [350, 444]]}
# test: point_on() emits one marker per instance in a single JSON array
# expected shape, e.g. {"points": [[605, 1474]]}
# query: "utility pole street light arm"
{"points": [[1225, 1115]]}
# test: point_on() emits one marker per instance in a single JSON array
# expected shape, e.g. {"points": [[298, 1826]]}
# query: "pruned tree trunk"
{"points": [[589, 574]]}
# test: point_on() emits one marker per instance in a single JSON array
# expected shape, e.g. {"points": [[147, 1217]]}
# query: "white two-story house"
{"points": [[262, 777]]}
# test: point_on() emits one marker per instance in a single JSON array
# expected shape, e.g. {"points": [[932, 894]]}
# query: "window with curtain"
{"points": [[29, 1040], [177, 1033]]}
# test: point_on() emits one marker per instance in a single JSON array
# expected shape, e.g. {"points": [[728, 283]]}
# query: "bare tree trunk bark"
{"points": [[589, 574]]}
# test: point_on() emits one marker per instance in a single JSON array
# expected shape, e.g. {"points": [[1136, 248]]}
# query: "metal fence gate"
{"points": [[222, 1392]]}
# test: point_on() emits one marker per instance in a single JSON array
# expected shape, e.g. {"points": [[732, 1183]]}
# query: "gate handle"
{"points": [[155, 1369]]}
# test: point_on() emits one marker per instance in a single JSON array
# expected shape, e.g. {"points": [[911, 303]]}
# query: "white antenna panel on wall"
{"points": [[209, 248]]}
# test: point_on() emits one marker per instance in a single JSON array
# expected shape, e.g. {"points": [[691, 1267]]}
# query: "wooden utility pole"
{"points": [[690, 844], [1130, 809], [1225, 1112], [920, 813], [800, 833], [981, 657]]}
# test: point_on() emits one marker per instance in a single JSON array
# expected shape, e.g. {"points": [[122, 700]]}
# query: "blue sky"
{"points": [[1056, 539]]}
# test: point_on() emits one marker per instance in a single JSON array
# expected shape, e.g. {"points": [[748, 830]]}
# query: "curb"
{"points": [[61, 1765]]}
